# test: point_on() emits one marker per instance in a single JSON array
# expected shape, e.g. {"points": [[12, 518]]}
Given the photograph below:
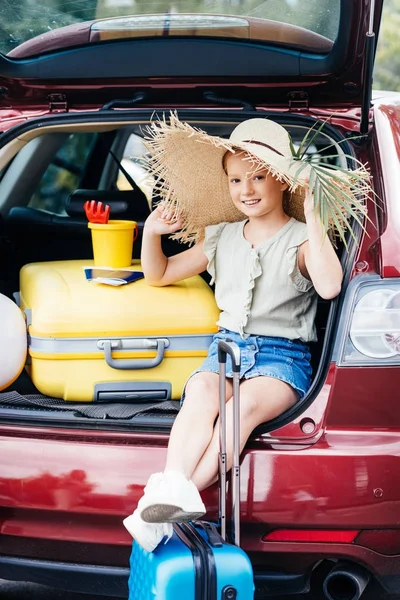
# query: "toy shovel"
{"points": [[96, 213]]}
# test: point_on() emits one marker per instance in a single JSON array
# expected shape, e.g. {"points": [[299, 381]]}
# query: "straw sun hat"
{"points": [[187, 164]]}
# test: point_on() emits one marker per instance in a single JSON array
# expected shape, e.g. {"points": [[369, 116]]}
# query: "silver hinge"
{"points": [[298, 100], [57, 103]]}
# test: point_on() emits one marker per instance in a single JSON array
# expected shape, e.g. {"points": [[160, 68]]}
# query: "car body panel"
{"points": [[56, 495]]}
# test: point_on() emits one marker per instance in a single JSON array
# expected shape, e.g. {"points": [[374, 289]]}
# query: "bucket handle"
{"points": [[135, 363]]}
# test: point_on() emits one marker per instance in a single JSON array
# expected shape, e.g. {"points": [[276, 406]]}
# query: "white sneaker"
{"points": [[148, 535], [169, 498]]}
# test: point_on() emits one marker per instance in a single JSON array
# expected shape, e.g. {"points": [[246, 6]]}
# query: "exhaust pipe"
{"points": [[346, 581]]}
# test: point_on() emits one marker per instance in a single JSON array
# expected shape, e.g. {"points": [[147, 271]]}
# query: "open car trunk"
{"points": [[39, 222]]}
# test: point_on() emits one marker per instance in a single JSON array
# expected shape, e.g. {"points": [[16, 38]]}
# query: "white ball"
{"points": [[13, 341]]}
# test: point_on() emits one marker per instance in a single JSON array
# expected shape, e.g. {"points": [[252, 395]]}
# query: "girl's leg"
{"points": [[193, 427], [261, 399], [171, 496]]}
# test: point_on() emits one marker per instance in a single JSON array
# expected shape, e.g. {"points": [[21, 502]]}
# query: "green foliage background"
{"points": [[21, 20], [387, 64]]}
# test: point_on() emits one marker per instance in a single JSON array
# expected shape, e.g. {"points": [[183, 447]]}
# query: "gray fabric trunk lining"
{"points": [[91, 410]]}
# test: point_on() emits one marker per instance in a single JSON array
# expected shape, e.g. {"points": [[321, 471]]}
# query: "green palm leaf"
{"points": [[338, 206], [339, 193], [306, 142]]}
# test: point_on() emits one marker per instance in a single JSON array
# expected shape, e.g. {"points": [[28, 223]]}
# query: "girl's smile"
{"points": [[251, 202]]}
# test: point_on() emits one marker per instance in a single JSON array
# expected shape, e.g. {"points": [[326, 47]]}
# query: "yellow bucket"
{"points": [[113, 243]]}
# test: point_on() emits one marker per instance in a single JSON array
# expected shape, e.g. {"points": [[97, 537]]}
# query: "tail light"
{"points": [[369, 330], [384, 541], [326, 536]]}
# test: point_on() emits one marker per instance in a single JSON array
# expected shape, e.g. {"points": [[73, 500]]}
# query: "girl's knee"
{"points": [[255, 409], [203, 381], [249, 405], [203, 387]]}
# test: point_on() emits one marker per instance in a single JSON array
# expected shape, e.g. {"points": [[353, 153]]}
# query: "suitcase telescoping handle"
{"points": [[225, 348]]}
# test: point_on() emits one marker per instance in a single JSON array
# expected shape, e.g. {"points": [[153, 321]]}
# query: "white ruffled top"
{"points": [[261, 290]]}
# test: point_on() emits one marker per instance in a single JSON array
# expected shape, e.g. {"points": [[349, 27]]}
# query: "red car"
{"points": [[320, 496]]}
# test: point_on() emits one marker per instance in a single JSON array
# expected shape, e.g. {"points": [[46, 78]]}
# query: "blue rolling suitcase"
{"points": [[197, 563]]}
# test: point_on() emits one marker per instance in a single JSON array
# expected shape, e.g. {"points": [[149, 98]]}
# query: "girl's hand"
{"points": [[163, 221]]}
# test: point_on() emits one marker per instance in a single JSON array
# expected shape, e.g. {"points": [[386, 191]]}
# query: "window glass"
{"points": [[23, 20], [132, 160], [63, 174]]}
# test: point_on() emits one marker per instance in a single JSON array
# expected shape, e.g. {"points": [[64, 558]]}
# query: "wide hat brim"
{"points": [[187, 164]]}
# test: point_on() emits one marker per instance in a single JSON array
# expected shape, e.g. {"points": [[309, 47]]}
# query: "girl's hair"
{"points": [[238, 152], [229, 153]]}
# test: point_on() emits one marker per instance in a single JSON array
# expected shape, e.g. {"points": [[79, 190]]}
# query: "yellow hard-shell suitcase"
{"points": [[94, 342]]}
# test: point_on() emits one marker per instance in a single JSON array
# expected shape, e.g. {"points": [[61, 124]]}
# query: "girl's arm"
{"points": [[158, 269], [317, 256]]}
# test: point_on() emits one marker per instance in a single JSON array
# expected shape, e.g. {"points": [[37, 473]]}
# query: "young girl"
{"points": [[268, 268]]}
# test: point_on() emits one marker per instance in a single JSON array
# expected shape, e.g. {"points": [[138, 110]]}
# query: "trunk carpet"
{"points": [[89, 409]]}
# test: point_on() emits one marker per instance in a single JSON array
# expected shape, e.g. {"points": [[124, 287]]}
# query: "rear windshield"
{"points": [[309, 24]]}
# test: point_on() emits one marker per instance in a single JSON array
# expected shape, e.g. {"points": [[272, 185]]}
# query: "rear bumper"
{"points": [[113, 581], [279, 567], [85, 579], [305, 557]]}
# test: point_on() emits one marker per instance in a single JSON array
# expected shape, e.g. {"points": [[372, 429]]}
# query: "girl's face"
{"points": [[256, 193]]}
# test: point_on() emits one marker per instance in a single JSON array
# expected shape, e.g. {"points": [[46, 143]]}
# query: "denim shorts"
{"points": [[261, 356]]}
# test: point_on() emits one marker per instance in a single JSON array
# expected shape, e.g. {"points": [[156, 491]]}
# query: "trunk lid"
{"points": [[284, 54]]}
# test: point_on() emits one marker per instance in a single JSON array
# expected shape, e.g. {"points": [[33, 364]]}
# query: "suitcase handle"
{"points": [[135, 363], [213, 536], [224, 348]]}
